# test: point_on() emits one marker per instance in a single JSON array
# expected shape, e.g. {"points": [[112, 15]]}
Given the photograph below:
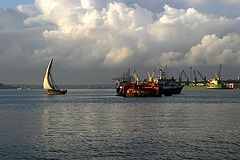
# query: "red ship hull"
{"points": [[147, 89]]}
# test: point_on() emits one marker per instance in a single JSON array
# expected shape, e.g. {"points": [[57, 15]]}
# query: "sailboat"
{"points": [[48, 83]]}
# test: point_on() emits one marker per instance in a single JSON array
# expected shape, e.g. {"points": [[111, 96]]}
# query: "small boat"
{"points": [[48, 83]]}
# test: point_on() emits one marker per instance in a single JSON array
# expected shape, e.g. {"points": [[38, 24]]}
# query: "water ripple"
{"points": [[96, 124]]}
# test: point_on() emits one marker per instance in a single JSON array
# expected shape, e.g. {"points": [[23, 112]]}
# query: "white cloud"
{"points": [[124, 29], [229, 8], [28, 9], [215, 50], [106, 34], [212, 50]]}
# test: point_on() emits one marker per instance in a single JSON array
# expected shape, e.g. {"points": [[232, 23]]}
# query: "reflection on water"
{"points": [[95, 124]]}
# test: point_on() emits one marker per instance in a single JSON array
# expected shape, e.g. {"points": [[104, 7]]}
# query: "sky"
{"points": [[92, 41], [14, 3]]}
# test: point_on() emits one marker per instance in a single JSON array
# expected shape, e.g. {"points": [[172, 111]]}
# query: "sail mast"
{"points": [[46, 83]]}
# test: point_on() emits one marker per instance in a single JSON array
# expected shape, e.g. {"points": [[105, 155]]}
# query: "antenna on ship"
{"points": [[166, 73], [191, 79], [219, 72]]}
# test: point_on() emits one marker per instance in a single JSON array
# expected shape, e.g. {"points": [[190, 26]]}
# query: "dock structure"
{"points": [[232, 84], [212, 83]]}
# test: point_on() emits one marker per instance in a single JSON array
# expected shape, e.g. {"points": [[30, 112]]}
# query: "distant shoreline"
{"points": [[3, 86], [64, 86]]}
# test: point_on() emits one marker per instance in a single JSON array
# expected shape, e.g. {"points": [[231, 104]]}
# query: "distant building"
{"points": [[232, 84]]}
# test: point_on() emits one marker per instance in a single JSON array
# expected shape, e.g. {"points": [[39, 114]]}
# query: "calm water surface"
{"points": [[96, 124]]}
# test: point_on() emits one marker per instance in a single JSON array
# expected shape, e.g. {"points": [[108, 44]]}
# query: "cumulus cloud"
{"points": [[229, 8], [28, 9], [211, 50], [129, 34], [92, 34]]}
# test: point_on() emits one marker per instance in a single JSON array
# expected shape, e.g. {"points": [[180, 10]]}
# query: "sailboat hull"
{"points": [[56, 92]]}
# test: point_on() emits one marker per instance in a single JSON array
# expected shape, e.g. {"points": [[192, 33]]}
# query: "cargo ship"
{"points": [[190, 87], [128, 86], [213, 83], [138, 89], [170, 85]]}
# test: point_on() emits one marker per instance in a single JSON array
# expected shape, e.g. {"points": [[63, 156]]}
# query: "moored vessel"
{"points": [[153, 87], [138, 89], [169, 85], [213, 83]]}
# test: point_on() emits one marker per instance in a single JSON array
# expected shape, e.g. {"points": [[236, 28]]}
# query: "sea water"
{"points": [[96, 124]]}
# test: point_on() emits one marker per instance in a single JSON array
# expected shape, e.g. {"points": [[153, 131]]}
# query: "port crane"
{"points": [[195, 77], [203, 78], [136, 76], [219, 74], [151, 77], [186, 77]]}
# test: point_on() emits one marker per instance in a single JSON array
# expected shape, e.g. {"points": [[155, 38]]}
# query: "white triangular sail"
{"points": [[46, 83]]}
